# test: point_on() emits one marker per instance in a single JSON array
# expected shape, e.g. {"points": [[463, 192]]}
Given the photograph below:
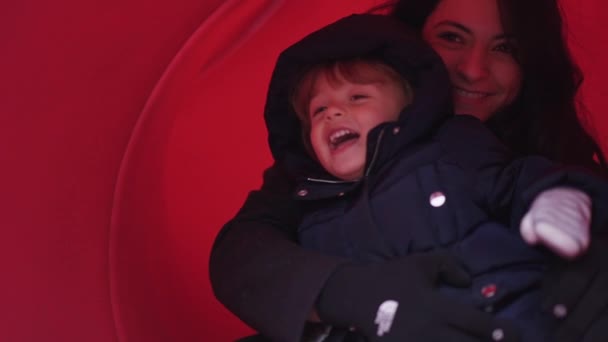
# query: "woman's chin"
{"points": [[483, 116]]}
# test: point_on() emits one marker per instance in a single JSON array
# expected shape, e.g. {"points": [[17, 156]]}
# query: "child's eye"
{"points": [[358, 97], [317, 110]]}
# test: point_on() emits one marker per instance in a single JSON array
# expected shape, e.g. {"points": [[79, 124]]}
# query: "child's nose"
{"points": [[333, 112]]}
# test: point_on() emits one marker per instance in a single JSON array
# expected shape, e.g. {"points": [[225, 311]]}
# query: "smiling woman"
{"points": [[480, 56], [510, 66]]}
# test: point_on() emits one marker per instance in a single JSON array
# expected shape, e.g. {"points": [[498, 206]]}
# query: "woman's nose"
{"points": [[473, 65]]}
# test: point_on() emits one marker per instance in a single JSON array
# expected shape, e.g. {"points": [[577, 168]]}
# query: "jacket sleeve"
{"points": [[506, 185], [257, 269]]}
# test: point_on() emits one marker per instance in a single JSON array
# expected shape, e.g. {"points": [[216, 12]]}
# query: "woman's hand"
{"points": [[398, 301]]}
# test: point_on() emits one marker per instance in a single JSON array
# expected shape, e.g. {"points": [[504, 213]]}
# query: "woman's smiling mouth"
{"points": [[471, 94]]}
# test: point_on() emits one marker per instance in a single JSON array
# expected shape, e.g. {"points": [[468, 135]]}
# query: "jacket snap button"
{"points": [[498, 335], [396, 130], [437, 199], [560, 311], [489, 290], [302, 192]]}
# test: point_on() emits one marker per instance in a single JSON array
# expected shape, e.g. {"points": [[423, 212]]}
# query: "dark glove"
{"points": [[398, 301], [577, 293]]}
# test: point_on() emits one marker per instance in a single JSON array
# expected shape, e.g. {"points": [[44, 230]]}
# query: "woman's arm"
{"points": [[506, 184], [575, 293], [259, 272]]}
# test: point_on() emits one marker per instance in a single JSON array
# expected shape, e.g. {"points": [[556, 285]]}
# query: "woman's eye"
{"points": [[451, 37], [508, 48]]}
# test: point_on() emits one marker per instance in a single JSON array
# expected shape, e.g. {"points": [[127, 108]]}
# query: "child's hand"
{"points": [[559, 218]]}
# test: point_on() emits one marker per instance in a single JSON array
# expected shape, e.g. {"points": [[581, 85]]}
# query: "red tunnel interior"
{"points": [[131, 131]]}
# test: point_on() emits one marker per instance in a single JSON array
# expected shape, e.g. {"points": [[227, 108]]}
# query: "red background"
{"points": [[130, 131]]}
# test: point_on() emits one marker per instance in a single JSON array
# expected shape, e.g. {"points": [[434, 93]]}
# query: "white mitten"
{"points": [[560, 219]]}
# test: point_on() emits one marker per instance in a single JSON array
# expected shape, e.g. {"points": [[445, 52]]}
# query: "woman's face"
{"points": [[479, 55]]}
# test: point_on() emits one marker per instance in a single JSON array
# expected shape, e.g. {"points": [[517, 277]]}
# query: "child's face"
{"points": [[342, 113]]}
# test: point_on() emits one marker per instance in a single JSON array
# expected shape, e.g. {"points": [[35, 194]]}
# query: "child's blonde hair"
{"points": [[358, 71]]}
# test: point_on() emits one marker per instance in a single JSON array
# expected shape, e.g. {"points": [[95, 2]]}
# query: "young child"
{"points": [[360, 111]]}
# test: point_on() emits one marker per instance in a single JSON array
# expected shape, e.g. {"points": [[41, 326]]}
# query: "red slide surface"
{"points": [[130, 131]]}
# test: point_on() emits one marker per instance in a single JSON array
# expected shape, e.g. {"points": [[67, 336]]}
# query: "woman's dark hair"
{"points": [[543, 120]]}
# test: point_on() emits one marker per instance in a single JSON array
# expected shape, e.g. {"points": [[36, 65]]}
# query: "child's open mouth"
{"points": [[340, 137]]}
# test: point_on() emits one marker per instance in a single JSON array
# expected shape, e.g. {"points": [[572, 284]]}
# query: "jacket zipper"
{"points": [[371, 163]]}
